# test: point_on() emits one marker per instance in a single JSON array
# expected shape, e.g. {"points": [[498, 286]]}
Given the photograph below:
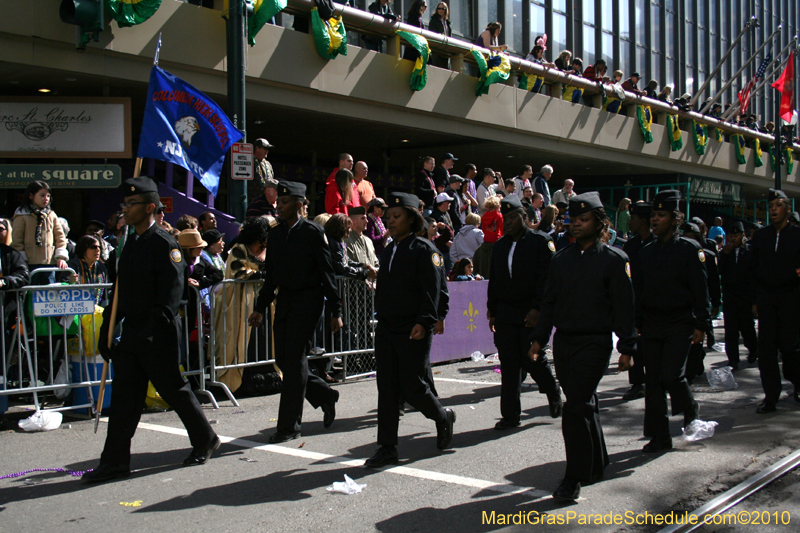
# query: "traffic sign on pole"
{"points": [[242, 161]]}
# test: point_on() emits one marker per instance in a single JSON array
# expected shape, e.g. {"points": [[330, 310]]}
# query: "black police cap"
{"points": [[642, 209], [140, 185], [212, 236], [690, 227], [510, 203], [357, 211], [291, 188], [402, 199], [582, 203], [668, 200], [776, 193], [737, 227]]}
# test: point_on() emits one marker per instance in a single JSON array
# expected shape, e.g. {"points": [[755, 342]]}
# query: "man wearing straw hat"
{"points": [[150, 285]]}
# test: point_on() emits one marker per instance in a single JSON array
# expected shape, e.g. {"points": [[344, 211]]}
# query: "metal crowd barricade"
{"points": [[20, 352], [196, 365], [233, 301]]}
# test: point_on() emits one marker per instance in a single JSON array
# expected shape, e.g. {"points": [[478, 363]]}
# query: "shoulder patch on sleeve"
{"points": [[628, 269], [325, 238], [175, 255], [701, 256], [437, 260], [551, 245]]}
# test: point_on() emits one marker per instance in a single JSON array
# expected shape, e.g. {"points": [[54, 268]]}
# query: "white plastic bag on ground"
{"points": [[699, 430], [348, 487], [476, 356], [41, 421], [721, 378]]}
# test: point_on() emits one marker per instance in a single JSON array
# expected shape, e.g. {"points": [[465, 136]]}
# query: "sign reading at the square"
{"points": [[242, 161]]}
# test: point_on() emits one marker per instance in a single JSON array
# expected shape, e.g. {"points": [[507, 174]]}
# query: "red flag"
{"points": [[785, 84]]}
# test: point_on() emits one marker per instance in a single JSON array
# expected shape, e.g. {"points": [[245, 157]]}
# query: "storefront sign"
{"points": [[65, 127], [61, 176], [715, 190]]}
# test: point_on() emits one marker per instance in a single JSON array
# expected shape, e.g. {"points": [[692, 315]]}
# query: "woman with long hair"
{"points": [[5, 232], [440, 23], [564, 61], [88, 268], [549, 214], [341, 196], [414, 18], [37, 234], [490, 38]]}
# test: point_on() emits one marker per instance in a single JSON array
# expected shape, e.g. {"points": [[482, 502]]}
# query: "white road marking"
{"points": [[400, 470], [450, 380]]}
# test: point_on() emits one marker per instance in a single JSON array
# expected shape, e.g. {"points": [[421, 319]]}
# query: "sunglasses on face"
{"points": [[93, 247]]}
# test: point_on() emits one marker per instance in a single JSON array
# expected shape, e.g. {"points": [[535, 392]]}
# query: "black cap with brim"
{"points": [[669, 200], [140, 185], [582, 203], [97, 223], [212, 236], [510, 203], [353, 211], [456, 178], [563, 205], [776, 193], [402, 199], [291, 188], [449, 156], [737, 227], [690, 227], [642, 209]]}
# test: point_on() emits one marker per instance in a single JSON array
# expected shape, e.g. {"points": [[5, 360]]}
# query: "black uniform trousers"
{"points": [[513, 342], [296, 317], [778, 320], [137, 361], [581, 361], [402, 368], [636, 371], [666, 349], [738, 313]]}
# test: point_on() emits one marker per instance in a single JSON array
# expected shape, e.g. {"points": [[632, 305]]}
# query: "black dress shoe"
{"points": [[506, 424], [445, 430], [796, 396], [386, 455], [658, 445], [734, 366], [568, 491], [752, 358], [596, 477], [106, 473], [329, 409], [692, 414], [279, 437], [556, 405], [199, 456], [634, 393], [766, 407]]}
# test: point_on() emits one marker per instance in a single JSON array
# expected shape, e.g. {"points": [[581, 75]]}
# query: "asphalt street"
{"points": [[253, 486]]}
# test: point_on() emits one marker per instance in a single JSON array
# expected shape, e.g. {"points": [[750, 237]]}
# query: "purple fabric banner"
{"points": [[466, 327]]}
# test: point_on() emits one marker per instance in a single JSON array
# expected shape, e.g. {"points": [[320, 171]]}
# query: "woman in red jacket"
{"points": [[340, 193]]}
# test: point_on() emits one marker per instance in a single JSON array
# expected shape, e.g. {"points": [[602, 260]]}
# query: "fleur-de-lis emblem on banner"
{"points": [[471, 312]]}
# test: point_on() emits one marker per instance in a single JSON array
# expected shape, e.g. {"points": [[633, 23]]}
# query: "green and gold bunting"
{"points": [[572, 94], [531, 82], [612, 104], [738, 148], [645, 117], [700, 136], [758, 153], [132, 12], [718, 134], [419, 76], [674, 133], [789, 156], [263, 11], [771, 150], [329, 35], [494, 69]]}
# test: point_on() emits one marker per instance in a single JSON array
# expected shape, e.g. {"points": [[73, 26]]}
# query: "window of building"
{"points": [[513, 26], [607, 15], [624, 60], [641, 60], [669, 75], [487, 12], [641, 23], [559, 38], [670, 33], [588, 11], [624, 20], [588, 45], [461, 19], [608, 50], [655, 26]]}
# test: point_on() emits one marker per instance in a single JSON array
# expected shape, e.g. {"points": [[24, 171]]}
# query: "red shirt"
{"points": [[333, 196], [492, 226]]}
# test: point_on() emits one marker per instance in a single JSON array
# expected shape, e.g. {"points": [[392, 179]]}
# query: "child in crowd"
{"points": [[462, 271]]}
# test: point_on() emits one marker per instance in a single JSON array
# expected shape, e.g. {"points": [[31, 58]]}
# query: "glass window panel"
{"points": [[655, 25], [670, 35], [537, 22], [655, 70], [559, 34], [487, 12], [714, 58], [607, 15], [624, 63], [513, 9], [669, 75], [726, 24], [588, 11], [641, 28], [560, 5], [588, 46], [670, 5], [713, 12], [608, 49], [624, 19], [689, 80], [702, 49], [461, 18], [641, 61], [702, 20], [690, 44]]}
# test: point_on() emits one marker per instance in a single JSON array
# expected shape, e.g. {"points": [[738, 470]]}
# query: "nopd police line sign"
{"points": [[58, 302]]}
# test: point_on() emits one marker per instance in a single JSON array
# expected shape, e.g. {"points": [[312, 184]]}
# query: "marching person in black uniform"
{"points": [[151, 284], [407, 308], [520, 261], [588, 296], [672, 313], [776, 282], [737, 300], [298, 263], [639, 224], [695, 365]]}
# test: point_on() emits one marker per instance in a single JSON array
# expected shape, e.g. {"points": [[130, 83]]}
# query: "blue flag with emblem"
{"points": [[185, 127]]}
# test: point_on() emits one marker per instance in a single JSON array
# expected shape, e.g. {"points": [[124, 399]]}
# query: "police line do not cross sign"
{"points": [[59, 302]]}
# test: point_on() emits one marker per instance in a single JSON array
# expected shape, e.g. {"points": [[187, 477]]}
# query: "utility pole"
{"points": [[236, 35], [778, 154]]}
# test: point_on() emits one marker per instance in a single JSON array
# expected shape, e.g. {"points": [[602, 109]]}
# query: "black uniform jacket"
{"points": [[510, 299], [409, 285], [671, 282], [735, 273], [298, 259], [632, 247], [14, 269], [776, 259], [589, 293]]}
